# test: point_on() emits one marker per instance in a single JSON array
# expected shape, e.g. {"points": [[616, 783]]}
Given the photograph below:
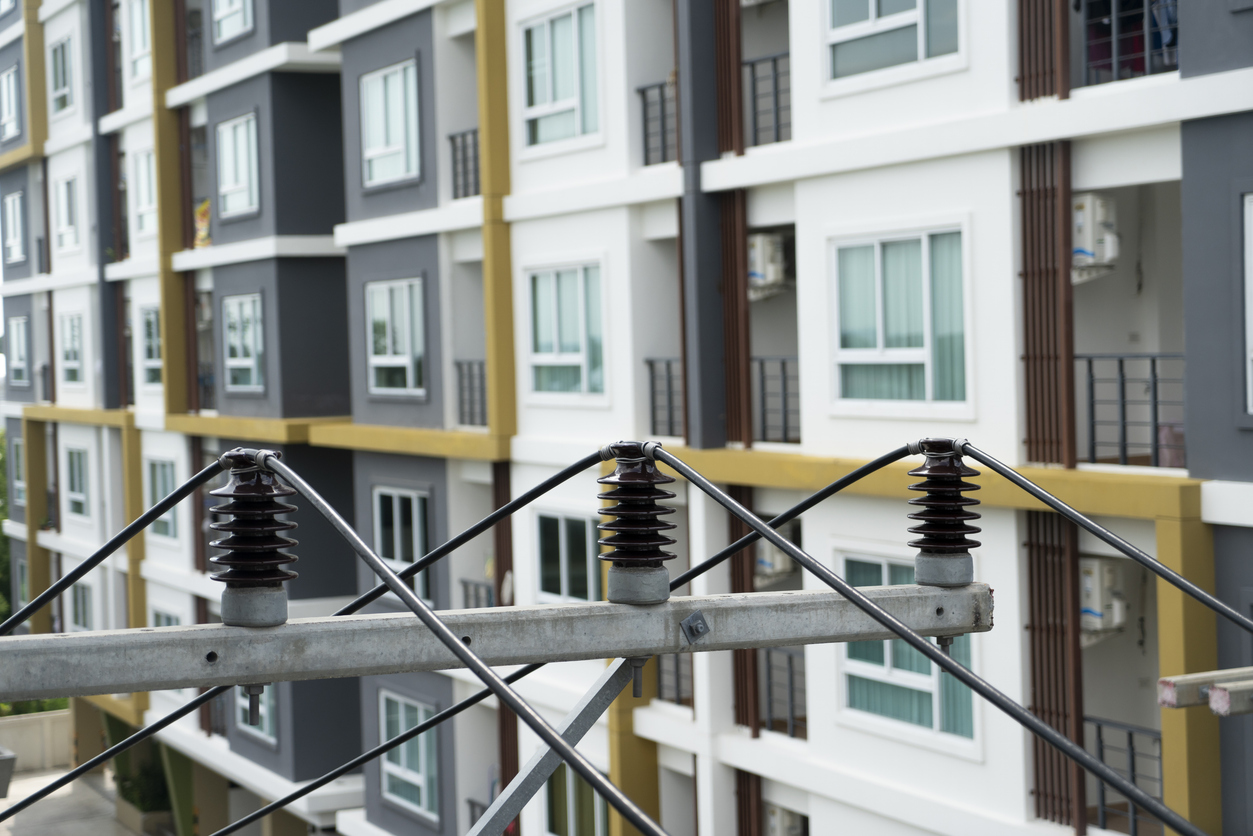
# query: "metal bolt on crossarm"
{"points": [[636, 573], [944, 544], [254, 594]]}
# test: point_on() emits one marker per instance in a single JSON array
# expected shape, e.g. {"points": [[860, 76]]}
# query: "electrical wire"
{"points": [[117, 541], [1156, 566], [576, 760], [946, 663]]}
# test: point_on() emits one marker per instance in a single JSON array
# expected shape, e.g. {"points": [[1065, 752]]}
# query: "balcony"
{"points": [[782, 672], [660, 137], [1131, 411], [775, 398], [476, 595], [465, 163], [674, 678], [1136, 754], [665, 397], [767, 99], [472, 392], [1129, 38]]}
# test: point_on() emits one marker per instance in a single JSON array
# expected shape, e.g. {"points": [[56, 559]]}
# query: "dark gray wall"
{"points": [[306, 744], [273, 21], [418, 473], [405, 259], [21, 306], [436, 691], [347, 7], [1213, 36], [252, 95], [1233, 578], [18, 180], [17, 512], [1217, 171], [305, 364], [11, 55], [375, 50]]}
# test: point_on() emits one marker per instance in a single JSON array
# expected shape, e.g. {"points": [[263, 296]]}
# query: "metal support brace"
{"points": [[531, 778]]}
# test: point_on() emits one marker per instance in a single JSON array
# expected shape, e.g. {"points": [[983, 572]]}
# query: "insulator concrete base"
{"points": [[254, 606], [638, 584]]}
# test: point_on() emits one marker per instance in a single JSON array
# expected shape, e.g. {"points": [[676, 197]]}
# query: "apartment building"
{"points": [[436, 251]]}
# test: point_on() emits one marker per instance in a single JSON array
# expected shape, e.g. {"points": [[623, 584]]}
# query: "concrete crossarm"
{"points": [[1184, 690], [1232, 698], [151, 659]]}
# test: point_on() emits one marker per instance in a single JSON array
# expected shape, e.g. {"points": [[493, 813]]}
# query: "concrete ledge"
{"points": [[266, 430], [121, 418], [413, 441]]}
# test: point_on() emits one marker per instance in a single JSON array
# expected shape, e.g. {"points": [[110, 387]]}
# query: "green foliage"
{"points": [[33, 706], [146, 789]]}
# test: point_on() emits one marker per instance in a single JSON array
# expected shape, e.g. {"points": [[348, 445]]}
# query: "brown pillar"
{"points": [[502, 540], [744, 661]]}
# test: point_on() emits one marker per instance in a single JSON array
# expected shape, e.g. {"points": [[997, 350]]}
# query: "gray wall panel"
{"points": [[233, 280], [1233, 575], [251, 96], [17, 513], [375, 50], [10, 56], [308, 174], [405, 259], [313, 332], [18, 180], [1213, 38], [21, 306], [278, 755], [291, 20], [434, 690], [306, 744]]}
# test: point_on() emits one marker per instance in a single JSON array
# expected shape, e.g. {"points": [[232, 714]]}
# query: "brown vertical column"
{"points": [[736, 333], [1043, 49], [1074, 674], [728, 63], [744, 661], [748, 804], [502, 584]]}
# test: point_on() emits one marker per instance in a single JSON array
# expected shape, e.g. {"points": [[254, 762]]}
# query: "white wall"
{"points": [[86, 392]]}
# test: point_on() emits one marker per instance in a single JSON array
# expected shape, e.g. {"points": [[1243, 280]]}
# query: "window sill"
{"points": [[409, 810], [568, 400], [411, 181], [243, 215], [893, 76], [233, 39], [404, 395], [21, 260], [904, 410], [906, 734], [560, 146], [258, 392]]}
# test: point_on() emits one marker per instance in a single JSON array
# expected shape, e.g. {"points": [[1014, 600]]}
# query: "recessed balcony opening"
{"points": [[1113, 40], [766, 78]]}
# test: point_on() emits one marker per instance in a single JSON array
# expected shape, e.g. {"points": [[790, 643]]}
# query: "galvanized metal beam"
{"points": [[150, 659], [1189, 689], [1231, 698]]}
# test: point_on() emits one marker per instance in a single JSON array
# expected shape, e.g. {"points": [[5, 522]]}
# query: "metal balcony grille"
{"points": [[1133, 408], [657, 102], [768, 99], [674, 678], [665, 397], [1136, 754], [1129, 38], [776, 399], [465, 163], [783, 682], [472, 392], [476, 595]]}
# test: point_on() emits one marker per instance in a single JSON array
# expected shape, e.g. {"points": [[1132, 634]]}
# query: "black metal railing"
{"points": [[783, 683], [195, 43], [768, 99], [472, 392], [1136, 754], [674, 678], [476, 595], [776, 399], [657, 103], [477, 809], [1133, 408], [1129, 38], [205, 385], [665, 396], [465, 163], [220, 713]]}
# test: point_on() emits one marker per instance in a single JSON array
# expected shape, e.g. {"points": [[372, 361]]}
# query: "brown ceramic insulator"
{"points": [[945, 513], [252, 542], [636, 535]]}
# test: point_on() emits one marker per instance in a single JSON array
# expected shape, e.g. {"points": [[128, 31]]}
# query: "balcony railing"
{"points": [[657, 102], [1132, 409], [472, 392], [665, 396], [1136, 754], [776, 399], [477, 809], [783, 679], [476, 595], [1129, 38], [768, 99], [465, 163], [674, 678]]}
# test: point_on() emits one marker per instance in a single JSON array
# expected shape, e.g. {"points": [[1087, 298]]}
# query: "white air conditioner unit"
{"points": [[1102, 598], [1094, 237], [767, 269]]}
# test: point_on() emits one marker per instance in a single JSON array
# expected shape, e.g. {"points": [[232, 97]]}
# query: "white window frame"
{"points": [[161, 483], [580, 359], [14, 228], [140, 37], [63, 95], [920, 67], [238, 134], [267, 729], [72, 349], [410, 146], [165, 619], [573, 103], [421, 584], [594, 590], [82, 608], [404, 771], [10, 113], [7, 6], [77, 482], [67, 237], [411, 360], [223, 11], [150, 345], [600, 815], [1248, 300], [18, 452], [18, 361], [241, 307], [23, 583], [144, 194]]}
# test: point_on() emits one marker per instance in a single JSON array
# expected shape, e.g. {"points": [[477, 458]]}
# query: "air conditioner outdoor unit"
{"points": [[767, 269], [1094, 238], [1102, 598]]}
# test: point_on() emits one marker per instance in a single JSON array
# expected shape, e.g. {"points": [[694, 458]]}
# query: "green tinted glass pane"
{"points": [[431, 762], [550, 128], [595, 343], [385, 541], [576, 554], [866, 652], [902, 294], [941, 27], [956, 705], [905, 658], [948, 330], [403, 789], [588, 101], [562, 39], [558, 379], [844, 12], [389, 377], [558, 816], [543, 339], [568, 337], [898, 574], [406, 529], [858, 325], [584, 807], [886, 700], [550, 554], [883, 381], [863, 573], [886, 49], [891, 7], [536, 48]]}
